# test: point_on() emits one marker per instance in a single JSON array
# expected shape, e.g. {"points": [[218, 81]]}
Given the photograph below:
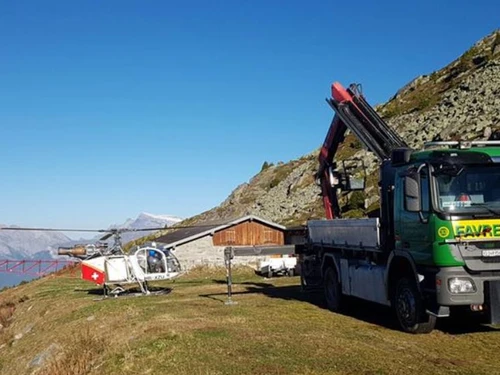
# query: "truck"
{"points": [[432, 249]]}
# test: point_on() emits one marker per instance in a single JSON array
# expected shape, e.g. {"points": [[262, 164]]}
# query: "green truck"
{"points": [[433, 248]]}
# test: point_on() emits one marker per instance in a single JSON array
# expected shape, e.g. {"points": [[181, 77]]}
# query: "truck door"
{"points": [[414, 235]]}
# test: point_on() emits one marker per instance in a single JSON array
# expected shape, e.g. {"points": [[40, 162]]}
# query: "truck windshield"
{"points": [[473, 189]]}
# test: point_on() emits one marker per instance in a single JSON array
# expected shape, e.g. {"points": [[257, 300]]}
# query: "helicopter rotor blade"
{"points": [[51, 229], [142, 229], [106, 236], [110, 232]]}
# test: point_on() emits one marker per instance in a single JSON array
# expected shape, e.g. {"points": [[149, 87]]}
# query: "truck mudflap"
{"points": [[492, 299]]}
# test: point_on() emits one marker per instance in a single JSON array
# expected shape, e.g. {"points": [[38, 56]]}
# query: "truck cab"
{"points": [[447, 218]]}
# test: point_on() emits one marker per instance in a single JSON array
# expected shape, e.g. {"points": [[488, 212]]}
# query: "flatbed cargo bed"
{"points": [[355, 234]]}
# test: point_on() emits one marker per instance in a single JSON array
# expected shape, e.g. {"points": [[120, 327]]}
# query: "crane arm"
{"points": [[352, 112]]}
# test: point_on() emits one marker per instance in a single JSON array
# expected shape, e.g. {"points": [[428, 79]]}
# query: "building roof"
{"points": [[188, 234]]}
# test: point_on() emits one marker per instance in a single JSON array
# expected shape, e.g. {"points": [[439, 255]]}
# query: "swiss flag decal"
{"points": [[92, 274]]}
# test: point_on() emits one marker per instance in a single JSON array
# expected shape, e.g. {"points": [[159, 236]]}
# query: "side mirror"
{"points": [[344, 179], [412, 192]]}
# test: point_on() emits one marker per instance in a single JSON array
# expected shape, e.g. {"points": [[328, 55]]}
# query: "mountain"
{"points": [[25, 244], [145, 220], [459, 101]]}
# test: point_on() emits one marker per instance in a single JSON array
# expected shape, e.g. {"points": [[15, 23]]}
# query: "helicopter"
{"points": [[111, 267]]}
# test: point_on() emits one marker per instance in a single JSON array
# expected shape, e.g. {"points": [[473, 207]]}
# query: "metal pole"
{"points": [[228, 255]]}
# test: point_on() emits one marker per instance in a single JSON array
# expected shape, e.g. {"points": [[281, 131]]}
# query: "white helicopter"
{"points": [[115, 268], [112, 267]]}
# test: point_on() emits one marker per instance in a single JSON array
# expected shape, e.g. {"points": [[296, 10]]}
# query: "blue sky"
{"points": [[111, 108]]}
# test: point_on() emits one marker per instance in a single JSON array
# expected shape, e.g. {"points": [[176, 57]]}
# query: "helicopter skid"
{"points": [[120, 292]]}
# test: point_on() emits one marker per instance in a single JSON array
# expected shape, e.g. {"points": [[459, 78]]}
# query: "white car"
{"points": [[277, 265]]}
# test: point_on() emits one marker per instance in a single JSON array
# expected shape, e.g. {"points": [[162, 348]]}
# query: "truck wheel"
{"points": [[333, 290], [409, 308]]}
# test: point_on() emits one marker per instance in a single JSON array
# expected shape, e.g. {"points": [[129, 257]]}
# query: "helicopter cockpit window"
{"points": [[151, 260], [156, 262]]}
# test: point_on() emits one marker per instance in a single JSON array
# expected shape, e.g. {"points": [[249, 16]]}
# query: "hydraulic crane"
{"points": [[355, 114]]}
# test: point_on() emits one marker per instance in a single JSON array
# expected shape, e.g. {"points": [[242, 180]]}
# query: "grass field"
{"points": [[274, 329]]}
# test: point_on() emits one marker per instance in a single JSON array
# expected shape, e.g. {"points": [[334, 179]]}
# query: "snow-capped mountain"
{"points": [[143, 221], [147, 220]]}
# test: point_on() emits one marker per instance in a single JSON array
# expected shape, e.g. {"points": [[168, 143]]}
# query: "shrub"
{"points": [[78, 357], [6, 311], [265, 166]]}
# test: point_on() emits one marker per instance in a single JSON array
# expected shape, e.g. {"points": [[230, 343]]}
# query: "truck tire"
{"points": [[409, 309], [333, 290]]}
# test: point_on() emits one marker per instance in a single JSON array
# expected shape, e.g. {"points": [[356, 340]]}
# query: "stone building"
{"points": [[204, 243]]}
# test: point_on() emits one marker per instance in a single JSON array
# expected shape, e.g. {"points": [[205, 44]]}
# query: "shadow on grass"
{"points": [[133, 291], [94, 291], [355, 308], [366, 311]]}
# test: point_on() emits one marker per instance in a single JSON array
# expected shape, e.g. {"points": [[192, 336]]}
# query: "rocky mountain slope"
{"points": [[459, 101]]}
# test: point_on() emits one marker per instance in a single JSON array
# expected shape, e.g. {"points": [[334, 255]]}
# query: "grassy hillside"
{"points": [[58, 328]]}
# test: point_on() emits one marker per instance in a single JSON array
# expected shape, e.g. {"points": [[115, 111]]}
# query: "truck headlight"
{"points": [[459, 285]]}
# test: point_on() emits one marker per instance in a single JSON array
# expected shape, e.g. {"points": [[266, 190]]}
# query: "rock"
{"points": [[42, 357], [487, 132], [28, 328], [19, 336], [90, 318]]}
